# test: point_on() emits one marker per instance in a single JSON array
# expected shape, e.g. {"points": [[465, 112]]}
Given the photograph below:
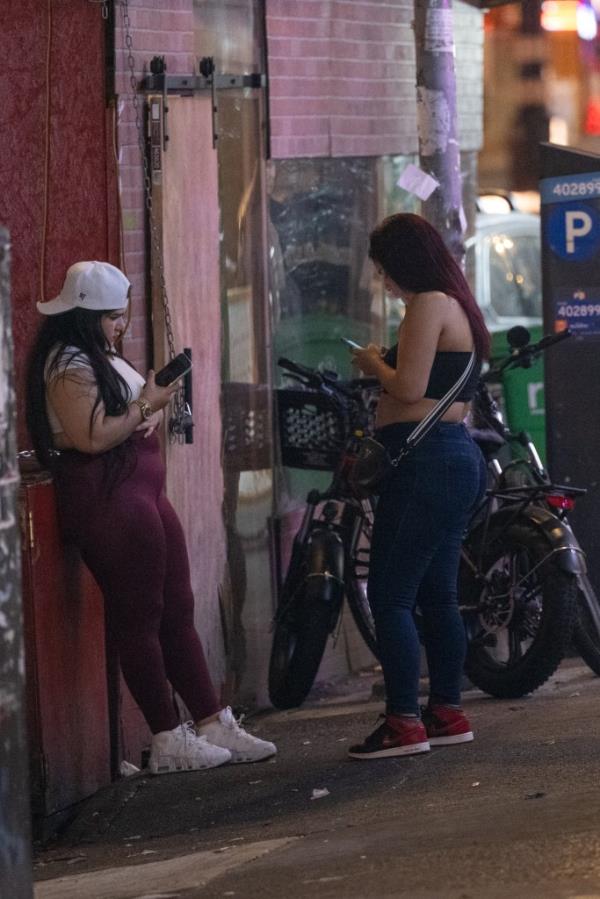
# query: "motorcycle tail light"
{"points": [[560, 501]]}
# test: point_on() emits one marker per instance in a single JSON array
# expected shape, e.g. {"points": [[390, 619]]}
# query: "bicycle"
{"points": [[329, 561], [526, 469], [520, 562]]}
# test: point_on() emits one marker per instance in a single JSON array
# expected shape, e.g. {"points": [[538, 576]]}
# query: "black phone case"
{"points": [[172, 370]]}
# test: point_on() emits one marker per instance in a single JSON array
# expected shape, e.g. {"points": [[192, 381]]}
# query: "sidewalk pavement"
{"points": [[513, 815]]}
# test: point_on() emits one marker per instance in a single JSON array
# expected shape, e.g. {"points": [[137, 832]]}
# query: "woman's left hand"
{"points": [[149, 425], [369, 359]]}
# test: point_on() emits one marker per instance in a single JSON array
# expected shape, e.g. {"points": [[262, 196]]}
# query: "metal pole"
{"points": [[15, 832], [439, 151]]}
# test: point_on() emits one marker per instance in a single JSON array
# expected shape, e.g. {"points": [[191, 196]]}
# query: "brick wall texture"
{"points": [[158, 28], [468, 37], [342, 77]]}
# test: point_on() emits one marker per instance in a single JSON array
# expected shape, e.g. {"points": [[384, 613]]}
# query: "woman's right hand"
{"points": [[369, 359], [158, 397]]}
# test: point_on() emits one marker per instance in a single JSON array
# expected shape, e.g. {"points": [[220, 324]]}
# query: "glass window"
{"points": [[515, 276], [320, 212], [231, 31]]}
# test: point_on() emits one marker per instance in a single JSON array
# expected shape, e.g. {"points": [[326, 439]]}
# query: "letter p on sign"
{"points": [[573, 231], [577, 224]]}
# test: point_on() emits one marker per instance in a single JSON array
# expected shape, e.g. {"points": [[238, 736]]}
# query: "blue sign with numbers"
{"points": [[570, 187], [571, 236], [578, 310]]}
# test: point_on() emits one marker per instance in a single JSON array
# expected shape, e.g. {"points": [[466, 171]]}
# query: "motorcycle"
{"points": [[523, 478]]}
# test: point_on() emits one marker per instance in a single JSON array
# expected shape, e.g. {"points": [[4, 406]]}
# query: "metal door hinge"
{"points": [[185, 85], [158, 67], [158, 82]]}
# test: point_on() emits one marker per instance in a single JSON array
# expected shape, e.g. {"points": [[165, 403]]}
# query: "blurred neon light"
{"points": [[559, 131], [592, 117], [559, 15], [587, 26]]}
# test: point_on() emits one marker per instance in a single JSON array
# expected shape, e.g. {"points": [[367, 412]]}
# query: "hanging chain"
{"points": [[181, 412], [104, 7]]}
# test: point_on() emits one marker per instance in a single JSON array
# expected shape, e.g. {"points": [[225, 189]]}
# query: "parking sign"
{"points": [[571, 230], [570, 195], [574, 231]]}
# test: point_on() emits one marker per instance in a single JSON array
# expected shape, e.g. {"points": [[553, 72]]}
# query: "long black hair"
{"points": [[412, 253], [62, 342]]}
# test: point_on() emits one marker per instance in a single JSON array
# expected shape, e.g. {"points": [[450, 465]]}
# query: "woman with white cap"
{"points": [[92, 418]]}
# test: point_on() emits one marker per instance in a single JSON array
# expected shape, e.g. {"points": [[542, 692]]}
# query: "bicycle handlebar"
{"points": [[550, 339], [522, 357], [327, 382], [296, 368]]}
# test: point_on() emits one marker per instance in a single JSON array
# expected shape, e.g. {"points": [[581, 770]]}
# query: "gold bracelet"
{"points": [[144, 407]]}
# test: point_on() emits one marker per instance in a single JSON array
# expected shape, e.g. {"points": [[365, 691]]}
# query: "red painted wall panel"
{"points": [[60, 46], [67, 712]]}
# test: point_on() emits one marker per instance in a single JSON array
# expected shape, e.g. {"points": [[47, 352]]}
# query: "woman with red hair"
{"points": [[425, 504]]}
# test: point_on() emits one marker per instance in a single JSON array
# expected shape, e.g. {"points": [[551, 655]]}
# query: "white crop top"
{"points": [[133, 379]]}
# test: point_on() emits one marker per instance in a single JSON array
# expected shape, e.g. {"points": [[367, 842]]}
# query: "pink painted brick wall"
{"points": [[342, 77], [166, 28], [158, 28]]}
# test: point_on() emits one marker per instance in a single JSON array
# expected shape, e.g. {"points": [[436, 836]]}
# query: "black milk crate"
{"points": [[313, 429], [246, 421]]}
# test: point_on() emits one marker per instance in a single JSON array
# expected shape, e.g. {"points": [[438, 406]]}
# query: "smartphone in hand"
{"points": [[173, 370], [352, 343]]}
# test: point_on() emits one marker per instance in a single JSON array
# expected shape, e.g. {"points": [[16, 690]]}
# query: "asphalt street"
{"points": [[514, 814]]}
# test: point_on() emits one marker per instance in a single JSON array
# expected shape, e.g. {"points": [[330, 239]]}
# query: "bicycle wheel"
{"points": [[522, 618], [356, 594], [356, 586], [586, 637], [296, 653], [310, 607]]}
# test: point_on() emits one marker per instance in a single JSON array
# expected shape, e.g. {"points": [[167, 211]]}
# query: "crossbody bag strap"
{"points": [[432, 417]]}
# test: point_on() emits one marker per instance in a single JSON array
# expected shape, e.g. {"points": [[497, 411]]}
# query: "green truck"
{"points": [[505, 257]]}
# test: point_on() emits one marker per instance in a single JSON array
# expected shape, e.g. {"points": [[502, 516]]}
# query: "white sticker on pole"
{"points": [[439, 31], [417, 182]]}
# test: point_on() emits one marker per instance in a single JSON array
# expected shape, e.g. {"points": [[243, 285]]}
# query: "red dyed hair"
{"points": [[412, 253]]}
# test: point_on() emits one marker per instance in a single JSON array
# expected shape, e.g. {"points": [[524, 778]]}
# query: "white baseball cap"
{"points": [[90, 285]]}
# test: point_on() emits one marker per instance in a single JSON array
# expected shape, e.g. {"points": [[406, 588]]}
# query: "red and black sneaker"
{"points": [[446, 726], [396, 736]]}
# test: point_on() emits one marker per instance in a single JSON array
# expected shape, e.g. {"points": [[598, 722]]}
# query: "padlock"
{"points": [[180, 423]]}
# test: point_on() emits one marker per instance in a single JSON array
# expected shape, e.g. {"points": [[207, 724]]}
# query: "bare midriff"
{"points": [[391, 410]]}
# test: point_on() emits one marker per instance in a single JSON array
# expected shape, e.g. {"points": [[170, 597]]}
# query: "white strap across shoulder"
{"points": [[425, 426]]}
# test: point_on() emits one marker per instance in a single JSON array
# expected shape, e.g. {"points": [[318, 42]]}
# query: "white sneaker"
{"points": [[226, 732], [181, 749]]}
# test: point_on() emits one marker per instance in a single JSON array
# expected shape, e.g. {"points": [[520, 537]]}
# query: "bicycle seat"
{"points": [[488, 440]]}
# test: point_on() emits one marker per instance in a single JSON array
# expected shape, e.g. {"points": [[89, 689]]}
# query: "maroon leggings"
{"points": [[133, 543]]}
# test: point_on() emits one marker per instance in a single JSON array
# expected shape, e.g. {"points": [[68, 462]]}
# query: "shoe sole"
{"points": [[451, 740], [412, 749], [240, 760], [174, 767]]}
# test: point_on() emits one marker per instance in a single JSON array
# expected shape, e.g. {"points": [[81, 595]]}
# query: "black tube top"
{"points": [[447, 368]]}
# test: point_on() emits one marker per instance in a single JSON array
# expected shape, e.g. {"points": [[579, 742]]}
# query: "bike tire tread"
{"points": [[291, 675], [550, 644]]}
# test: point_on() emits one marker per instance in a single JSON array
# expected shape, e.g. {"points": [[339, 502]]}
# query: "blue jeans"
{"points": [[420, 520]]}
